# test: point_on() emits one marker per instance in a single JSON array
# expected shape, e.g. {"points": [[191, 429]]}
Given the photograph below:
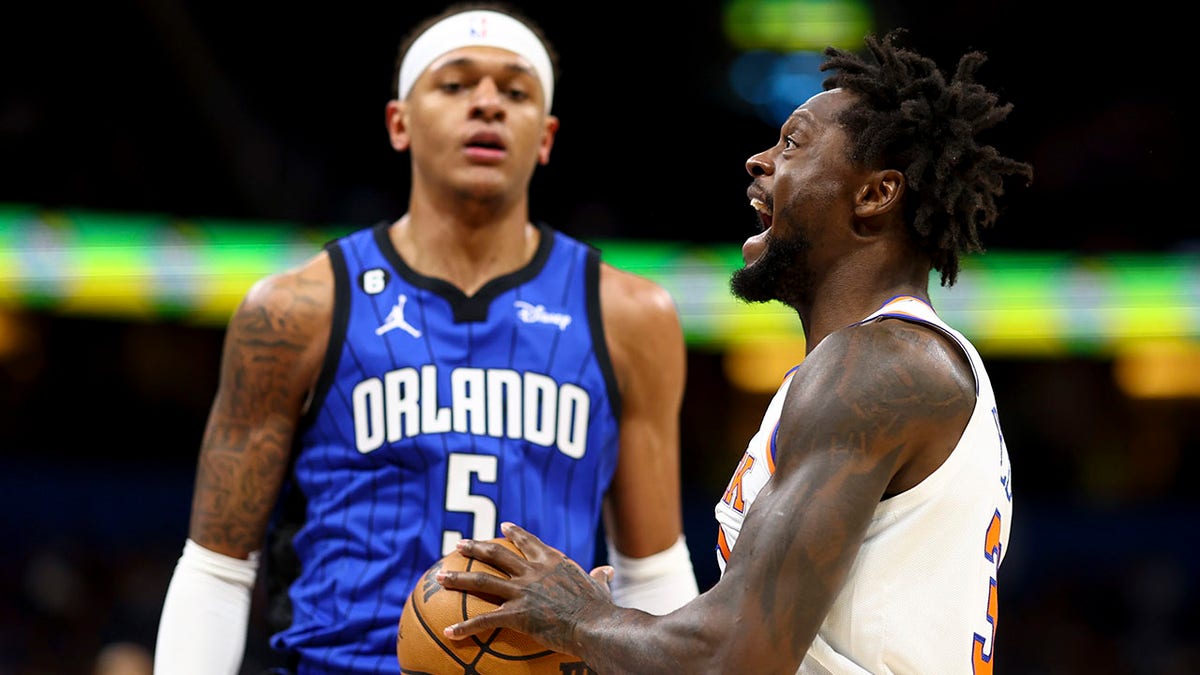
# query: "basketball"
{"points": [[422, 649]]}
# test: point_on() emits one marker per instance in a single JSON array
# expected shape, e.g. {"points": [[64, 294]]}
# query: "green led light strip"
{"points": [[148, 267]]}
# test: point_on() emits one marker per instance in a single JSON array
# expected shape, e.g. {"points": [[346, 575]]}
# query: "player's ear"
{"points": [[547, 143], [397, 125], [879, 194]]}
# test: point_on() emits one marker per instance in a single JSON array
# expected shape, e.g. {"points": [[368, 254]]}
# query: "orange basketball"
{"points": [[422, 649]]}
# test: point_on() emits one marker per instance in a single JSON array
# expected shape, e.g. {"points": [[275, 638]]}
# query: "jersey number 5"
{"points": [[459, 470]]}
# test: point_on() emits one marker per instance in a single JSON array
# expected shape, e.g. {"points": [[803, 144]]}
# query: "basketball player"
{"points": [[864, 527], [422, 380]]}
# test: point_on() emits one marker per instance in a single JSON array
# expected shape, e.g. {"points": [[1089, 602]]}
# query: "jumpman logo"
{"points": [[395, 319]]}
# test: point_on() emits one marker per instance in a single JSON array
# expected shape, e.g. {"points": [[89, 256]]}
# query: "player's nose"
{"points": [[760, 164], [486, 100]]}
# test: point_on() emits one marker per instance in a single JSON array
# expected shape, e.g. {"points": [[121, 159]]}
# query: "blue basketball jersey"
{"points": [[436, 417]]}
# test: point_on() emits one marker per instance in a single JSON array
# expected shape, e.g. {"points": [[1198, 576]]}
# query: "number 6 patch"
{"points": [[374, 280]]}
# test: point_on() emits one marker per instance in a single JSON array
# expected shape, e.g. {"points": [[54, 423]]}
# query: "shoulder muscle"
{"points": [[284, 319], [641, 322], [891, 394]]}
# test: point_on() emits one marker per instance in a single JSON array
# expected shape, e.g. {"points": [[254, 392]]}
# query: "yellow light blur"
{"points": [[759, 367], [12, 334], [1159, 370]]}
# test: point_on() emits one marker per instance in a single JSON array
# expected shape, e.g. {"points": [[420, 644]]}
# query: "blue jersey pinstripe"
{"points": [[437, 416]]}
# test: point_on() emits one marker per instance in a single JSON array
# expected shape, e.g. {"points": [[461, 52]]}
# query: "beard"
{"points": [[778, 274]]}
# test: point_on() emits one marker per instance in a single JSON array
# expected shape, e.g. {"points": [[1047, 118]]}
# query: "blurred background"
{"points": [[158, 156]]}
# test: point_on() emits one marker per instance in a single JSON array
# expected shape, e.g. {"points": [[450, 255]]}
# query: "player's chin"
{"points": [[754, 247], [487, 184]]}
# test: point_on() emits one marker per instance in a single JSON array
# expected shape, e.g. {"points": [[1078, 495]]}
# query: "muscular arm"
{"points": [[643, 511], [273, 350], [867, 404]]}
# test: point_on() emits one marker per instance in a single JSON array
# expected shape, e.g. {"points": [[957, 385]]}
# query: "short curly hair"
{"points": [[909, 117]]}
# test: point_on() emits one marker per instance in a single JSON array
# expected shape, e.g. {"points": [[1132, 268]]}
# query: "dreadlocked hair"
{"points": [[911, 118]]}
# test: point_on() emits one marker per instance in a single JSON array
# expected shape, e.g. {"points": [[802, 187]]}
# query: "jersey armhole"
{"points": [[337, 333], [949, 335]]}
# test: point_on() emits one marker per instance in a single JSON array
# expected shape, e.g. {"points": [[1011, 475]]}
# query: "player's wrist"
{"points": [[658, 583]]}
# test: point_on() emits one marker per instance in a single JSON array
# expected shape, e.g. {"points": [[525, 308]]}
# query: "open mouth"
{"points": [[764, 213], [486, 141]]}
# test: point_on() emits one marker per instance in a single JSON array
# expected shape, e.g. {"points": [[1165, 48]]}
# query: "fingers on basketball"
{"points": [[422, 649]]}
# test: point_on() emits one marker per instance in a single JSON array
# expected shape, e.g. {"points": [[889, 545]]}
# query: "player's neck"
{"points": [[463, 250], [848, 288], [838, 303]]}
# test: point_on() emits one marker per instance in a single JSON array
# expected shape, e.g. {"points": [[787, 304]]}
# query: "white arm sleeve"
{"points": [[205, 614], [658, 584]]}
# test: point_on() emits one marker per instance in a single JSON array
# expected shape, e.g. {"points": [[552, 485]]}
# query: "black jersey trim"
{"points": [[596, 321], [474, 308], [337, 333]]}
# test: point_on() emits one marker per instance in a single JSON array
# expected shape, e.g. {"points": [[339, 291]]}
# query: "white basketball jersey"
{"points": [[921, 594]]}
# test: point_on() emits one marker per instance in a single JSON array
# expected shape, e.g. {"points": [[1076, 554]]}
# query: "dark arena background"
{"points": [[157, 156]]}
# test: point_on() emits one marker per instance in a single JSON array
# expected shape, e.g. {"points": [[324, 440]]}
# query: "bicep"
{"points": [[273, 348], [643, 514], [793, 554], [834, 457]]}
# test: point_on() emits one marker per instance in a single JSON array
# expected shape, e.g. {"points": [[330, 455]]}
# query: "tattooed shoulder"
{"points": [[289, 305]]}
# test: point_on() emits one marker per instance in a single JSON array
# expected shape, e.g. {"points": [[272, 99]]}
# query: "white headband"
{"points": [[477, 28]]}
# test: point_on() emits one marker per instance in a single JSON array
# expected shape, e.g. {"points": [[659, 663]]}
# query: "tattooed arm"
{"points": [[871, 410], [274, 347], [273, 351]]}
